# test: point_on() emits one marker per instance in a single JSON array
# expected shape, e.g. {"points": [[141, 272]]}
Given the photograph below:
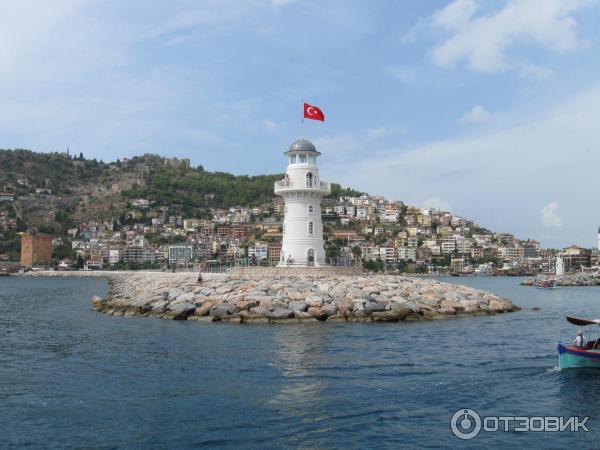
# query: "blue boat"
{"points": [[586, 355], [546, 284]]}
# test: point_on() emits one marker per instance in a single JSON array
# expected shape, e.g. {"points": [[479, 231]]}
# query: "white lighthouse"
{"points": [[302, 191]]}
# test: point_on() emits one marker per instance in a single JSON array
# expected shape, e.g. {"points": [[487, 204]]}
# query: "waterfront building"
{"points": [[407, 253], [259, 251], [35, 249], [302, 191], [181, 253], [114, 255]]}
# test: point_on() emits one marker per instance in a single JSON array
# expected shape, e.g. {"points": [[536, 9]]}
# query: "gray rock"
{"points": [[279, 313], [371, 307], [329, 308], [259, 311], [313, 300], [222, 309], [182, 307], [224, 289], [302, 315], [296, 305], [174, 293], [186, 297]]}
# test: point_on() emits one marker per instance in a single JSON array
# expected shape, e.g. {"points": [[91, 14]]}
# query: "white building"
{"points": [[181, 253], [259, 251], [302, 191], [114, 256], [448, 247]]}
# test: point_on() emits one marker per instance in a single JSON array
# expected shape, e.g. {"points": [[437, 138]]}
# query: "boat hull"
{"points": [[572, 357]]}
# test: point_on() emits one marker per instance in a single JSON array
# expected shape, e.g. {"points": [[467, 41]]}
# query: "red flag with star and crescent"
{"points": [[314, 113]]}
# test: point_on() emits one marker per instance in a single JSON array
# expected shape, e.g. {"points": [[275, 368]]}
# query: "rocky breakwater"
{"points": [[345, 298], [576, 279]]}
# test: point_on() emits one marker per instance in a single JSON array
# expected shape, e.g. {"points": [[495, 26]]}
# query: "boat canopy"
{"points": [[577, 321]]}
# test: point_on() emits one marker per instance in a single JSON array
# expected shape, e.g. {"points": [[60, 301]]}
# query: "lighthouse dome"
{"points": [[302, 145]]}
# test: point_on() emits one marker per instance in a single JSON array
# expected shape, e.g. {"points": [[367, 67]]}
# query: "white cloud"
{"points": [[483, 40], [437, 203], [374, 134], [527, 70], [498, 178], [405, 74], [456, 15], [477, 114], [550, 219], [270, 125], [277, 3]]}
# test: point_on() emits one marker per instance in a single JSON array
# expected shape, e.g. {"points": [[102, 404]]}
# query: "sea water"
{"points": [[74, 378]]}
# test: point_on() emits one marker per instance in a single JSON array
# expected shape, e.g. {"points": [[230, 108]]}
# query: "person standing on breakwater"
{"points": [[201, 268]]}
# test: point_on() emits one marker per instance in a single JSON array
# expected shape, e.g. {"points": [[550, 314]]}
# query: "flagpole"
{"points": [[302, 120]]}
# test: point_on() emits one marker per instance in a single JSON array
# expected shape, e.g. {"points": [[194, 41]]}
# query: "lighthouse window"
{"points": [[309, 180], [302, 159], [293, 159], [311, 209], [312, 160], [310, 228]]}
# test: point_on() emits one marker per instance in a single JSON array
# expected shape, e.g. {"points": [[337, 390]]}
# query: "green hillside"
{"points": [[55, 191]]}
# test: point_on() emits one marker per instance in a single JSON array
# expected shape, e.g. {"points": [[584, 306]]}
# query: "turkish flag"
{"points": [[314, 113]]}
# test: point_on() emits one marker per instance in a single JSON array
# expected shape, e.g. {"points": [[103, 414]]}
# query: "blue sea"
{"points": [[74, 378]]}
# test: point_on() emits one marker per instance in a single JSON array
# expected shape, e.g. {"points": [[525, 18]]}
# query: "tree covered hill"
{"points": [[56, 191]]}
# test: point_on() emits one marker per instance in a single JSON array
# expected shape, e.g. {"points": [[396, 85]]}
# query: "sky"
{"points": [[487, 108]]}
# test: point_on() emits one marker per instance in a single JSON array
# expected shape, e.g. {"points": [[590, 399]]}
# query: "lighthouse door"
{"points": [[310, 260]]}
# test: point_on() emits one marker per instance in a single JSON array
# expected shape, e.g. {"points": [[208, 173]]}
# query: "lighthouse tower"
{"points": [[302, 191]]}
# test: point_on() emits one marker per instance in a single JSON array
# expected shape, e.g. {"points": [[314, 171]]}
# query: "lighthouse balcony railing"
{"points": [[288, 184]]}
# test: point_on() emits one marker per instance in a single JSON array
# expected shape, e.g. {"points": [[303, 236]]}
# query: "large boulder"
{"points": [[500, 305], [398, 312], [302, 315], [371, 290], [222, 309], [371, 307], [329, 308], [259, 311], [186, 297], [317, 312], [225, 289], [313, 300], [296, 305], [280, 313], [174, 293], [178, 314], [344, 304], [245, 304]]}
